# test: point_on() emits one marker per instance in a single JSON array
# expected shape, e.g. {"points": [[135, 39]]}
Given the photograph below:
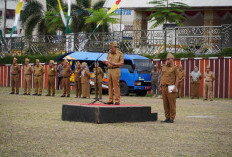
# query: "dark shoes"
{"points": [[68, 95], [24, 93], [12, 93], [117, 103], [39, 94], [109, 103], [35, 94], [53, 94], [48, 95], [168, 120], [62, 96], [211, 99]]}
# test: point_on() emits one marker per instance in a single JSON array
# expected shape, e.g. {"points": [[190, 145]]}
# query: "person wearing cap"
{"points": [[66, 78], [15, 71], [114, 61], [195, 78], [98, 77], [208, 87], [181, 76], [27, 77], [85, 78], [51, 78], [38, 77], [168, 86], [155, 75], [77, 79]]}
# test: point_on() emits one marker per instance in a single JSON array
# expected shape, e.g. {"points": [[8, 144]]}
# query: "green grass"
{"points": [[32, 126]]}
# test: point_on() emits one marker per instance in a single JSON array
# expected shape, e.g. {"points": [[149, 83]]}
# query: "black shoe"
{"points": [[109, 103], [211, 99], [17, 93], [62, 96], [28, 94], [166, 120], [35, 94], [48, 95], [205, 99], [12, 93], [68, 95], [170, 121], [117, 103], [53, 94], [39, 94]]}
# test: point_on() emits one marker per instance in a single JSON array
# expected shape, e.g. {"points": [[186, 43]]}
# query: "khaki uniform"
{"points": [[114, 74], [168, 77], [181, 75], [15, 70], [51, 80], [155, 75], [38, 78], [27, 78], [66, 79], [98, 78], [195, 85], [209, 78], [78, 81], [85, 84]]}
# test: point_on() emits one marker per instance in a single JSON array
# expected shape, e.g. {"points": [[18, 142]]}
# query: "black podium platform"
{"points": [[102, 113]]}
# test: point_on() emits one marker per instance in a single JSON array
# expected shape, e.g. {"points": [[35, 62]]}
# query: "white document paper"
{"points": [[170, 88]]}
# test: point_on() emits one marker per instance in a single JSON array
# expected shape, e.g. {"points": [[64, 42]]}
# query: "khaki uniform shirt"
{"points": [[28, 69], [15, 69], [77, 73], [66, 71], [209, 77], [115, 58], [168, 74], [52, 71], [86, 77], [99, 73], [38, 70], [155, 75], [181, 74]]}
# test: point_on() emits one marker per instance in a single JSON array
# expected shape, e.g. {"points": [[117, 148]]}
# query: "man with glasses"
{"points": [[168, 86]]}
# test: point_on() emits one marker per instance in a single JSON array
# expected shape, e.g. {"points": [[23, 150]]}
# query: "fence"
{"points": [[222, 67], [197, 39]]}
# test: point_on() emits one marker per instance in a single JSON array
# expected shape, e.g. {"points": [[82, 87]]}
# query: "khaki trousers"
{"points": [[181, 89], [113, 84], [38, 83], [27, 84], [15, 83], [78, 87], [85, 89], [169, 102], [195, 89], [208, 88], [51, 85], [66, 85], [99, 89]]}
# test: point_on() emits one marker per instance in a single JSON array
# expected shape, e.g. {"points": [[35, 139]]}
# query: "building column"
{"points": [[211, 18]]}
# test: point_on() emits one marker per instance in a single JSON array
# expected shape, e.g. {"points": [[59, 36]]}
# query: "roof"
{"points": [[139, 4], [92, 56]]}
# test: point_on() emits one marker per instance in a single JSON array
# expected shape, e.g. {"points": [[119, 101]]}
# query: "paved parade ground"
{"points": [[32, 126]]}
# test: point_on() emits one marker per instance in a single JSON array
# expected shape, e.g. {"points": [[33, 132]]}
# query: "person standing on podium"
{"points": [[114, 61], [168, 86], [98, 76], [85, 78]]}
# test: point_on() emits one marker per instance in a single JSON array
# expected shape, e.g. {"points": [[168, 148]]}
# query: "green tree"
{"points": [[164, 12]]}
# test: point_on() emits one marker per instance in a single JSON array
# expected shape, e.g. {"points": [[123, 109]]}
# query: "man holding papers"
{"points": [[168, 86]]}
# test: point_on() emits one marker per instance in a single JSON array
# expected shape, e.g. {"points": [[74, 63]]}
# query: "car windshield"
{"points": [[143, 66]]}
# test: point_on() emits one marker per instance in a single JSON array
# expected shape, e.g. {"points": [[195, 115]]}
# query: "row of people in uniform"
{"points": [[195, 77], [82, 78]]}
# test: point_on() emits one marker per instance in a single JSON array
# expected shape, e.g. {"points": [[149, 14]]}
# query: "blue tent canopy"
{"points": [[92, 56]]}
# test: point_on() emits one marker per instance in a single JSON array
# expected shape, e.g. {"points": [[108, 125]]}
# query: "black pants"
{"points": [[59, 81]]}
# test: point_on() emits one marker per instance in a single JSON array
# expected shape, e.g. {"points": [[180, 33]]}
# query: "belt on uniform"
{"points": [[38, 75], [27, 74], [164, 85], [113, 67], [51, 75], [14, 74]]}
